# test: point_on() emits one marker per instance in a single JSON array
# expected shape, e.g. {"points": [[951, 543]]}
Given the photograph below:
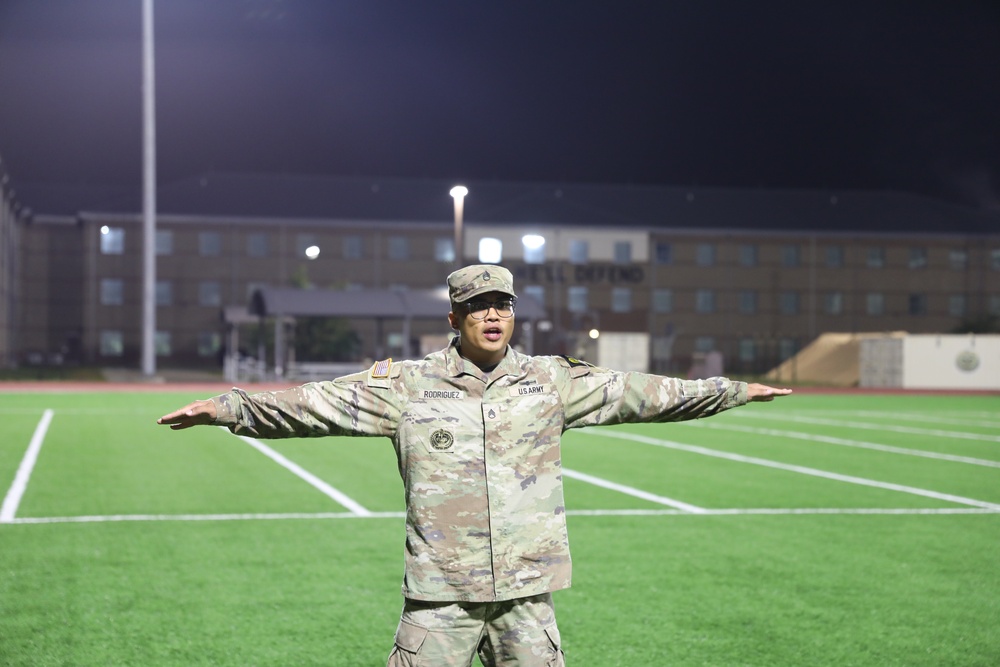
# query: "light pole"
{"points": [[148, 195], [458, 194]]}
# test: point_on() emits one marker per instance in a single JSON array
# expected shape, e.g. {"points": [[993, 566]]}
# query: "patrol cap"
{"points": [[471, 281]]}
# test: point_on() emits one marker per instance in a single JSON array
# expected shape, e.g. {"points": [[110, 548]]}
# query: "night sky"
{"points": [[825, 94]]}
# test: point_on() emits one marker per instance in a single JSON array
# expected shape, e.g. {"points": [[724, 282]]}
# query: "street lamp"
{"points": [[458, 194]]}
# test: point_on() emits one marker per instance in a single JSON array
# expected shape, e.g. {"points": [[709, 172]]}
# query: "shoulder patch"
{"points": [[574, 362], [380, 369]]}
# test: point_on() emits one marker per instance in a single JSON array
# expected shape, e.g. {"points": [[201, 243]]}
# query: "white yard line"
{"points": [[631, 491], [793, 468], [750, 511], [963, 435], [304, 474], [861, 444], [909, 416], [17, 489]]}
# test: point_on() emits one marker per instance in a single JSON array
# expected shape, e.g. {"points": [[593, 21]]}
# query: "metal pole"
{"points": [[458, 194], [148, 195]]}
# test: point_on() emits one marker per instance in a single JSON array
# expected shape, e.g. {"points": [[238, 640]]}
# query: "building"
{"points": [[753, 274]]}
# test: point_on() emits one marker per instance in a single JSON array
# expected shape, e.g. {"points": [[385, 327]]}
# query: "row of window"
{"points": [[112, 343], [747, 301], [578, 299], [533, 250]]}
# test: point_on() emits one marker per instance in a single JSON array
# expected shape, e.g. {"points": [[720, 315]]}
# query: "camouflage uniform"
{"points": [[479, 457]]}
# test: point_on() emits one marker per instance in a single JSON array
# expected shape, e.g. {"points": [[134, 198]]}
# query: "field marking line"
{"points": [[814, 472], [912, 430], [759, 511], [861, 444], [299, 471], [20, 485], [908, 416], [631, 491]]}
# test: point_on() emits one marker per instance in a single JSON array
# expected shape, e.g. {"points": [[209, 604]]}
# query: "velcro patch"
{"points": [[381, 368]]}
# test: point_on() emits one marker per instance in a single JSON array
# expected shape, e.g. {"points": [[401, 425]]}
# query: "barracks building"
{"points": [[669, 272]]}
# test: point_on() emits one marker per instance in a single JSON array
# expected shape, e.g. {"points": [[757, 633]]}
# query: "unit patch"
{"points": [[442, 439]]}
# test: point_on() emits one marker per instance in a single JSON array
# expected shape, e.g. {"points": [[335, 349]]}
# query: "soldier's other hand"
{"points": [[761, 392], [193, 414]]}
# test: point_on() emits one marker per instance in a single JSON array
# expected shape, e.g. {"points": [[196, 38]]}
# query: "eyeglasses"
{"points": [[478, 310]]}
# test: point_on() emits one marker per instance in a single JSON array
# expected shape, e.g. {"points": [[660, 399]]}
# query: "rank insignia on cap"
{"points": [[381, 368]]}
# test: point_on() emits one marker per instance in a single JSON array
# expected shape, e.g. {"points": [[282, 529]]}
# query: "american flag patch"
{"points": [[381, 368]]}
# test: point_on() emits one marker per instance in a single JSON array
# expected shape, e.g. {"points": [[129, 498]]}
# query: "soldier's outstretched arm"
{"points": [[761, 392], [193, 414]]}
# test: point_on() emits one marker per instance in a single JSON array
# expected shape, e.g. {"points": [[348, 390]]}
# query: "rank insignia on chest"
{"points": [[442, 439]]}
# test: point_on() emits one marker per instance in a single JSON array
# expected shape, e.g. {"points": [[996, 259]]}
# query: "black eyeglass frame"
{"points": [[490, 305]]}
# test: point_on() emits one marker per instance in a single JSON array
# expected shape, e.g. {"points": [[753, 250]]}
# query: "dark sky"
{"points": [[808, 94]]}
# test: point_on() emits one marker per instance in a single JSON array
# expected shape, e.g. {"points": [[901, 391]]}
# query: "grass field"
{"points": [[816, 530]]}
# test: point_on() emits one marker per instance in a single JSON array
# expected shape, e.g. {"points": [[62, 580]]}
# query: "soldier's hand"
{"points": [[193, 414], [761, 392]]}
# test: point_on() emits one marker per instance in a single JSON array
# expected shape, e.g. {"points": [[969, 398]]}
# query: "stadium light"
{"points": [[312, 252]]}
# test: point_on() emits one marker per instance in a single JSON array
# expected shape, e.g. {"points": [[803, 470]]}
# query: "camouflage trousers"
{"points": [[519, 633]]}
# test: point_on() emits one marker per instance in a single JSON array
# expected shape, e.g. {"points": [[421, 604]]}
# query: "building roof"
{"points": [[297, 197]]}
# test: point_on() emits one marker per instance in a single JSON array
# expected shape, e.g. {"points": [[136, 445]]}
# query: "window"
{"points": [[579, 251], [621, 300], [747, 302], [164, 242], [704, 343], [112, 344], [994, 305], [956, 305], [917, 304], [786, 348], [210, 293], [748, 255], [257, 245], [958, 259], [112, 292], [353, 247], [705, 254], [876, 257], [444, 250], [704, 301], [161, 343], [748, 349], [833, 303], [534, 248], [576, 301], [209, 244], [303, 242], [788, 303], [398, 247], [834, 256], [490, 250], [875, 303], [790, 256], [536, 292], [112, 240], [623, 252], [663, 253], [995, 259], [209, 343], [663, 300], [164, 293], [918, 257]]}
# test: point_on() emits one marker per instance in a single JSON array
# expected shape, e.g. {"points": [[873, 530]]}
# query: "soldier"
{"points": [[476, 428]]}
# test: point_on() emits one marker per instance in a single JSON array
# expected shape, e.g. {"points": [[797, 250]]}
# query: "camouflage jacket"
{"points": [[478, 453]]}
